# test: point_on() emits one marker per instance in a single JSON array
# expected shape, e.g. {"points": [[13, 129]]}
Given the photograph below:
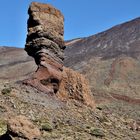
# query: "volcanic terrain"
{"points": [[110, 61]]}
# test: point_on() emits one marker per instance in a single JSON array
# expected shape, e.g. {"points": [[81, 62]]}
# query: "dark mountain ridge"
{"points": [[123, 39]]}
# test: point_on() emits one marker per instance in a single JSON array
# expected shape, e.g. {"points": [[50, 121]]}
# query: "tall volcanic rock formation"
{"points": [[46, 45]]}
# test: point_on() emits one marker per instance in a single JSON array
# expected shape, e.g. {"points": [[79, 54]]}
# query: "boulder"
{"points": [[22, 127], [75, 86]]}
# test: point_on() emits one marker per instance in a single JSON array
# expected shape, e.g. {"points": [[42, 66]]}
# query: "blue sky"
{"points": [[82, 17]]}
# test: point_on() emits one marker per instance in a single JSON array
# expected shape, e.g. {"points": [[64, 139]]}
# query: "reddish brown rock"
{"points": [[22, 127], [75, 86], [45, 43]]}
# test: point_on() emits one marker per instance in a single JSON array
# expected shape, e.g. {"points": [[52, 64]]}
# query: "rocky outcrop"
{"points": [[46, 45], [22, 127], [75, 86]]}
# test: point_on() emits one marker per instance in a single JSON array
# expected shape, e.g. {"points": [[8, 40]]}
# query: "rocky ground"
{"points": [[52, 119]]}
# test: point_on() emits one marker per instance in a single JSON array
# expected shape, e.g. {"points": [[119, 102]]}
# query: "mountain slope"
{"points": [[15, 63], [121, 39], [110, 60]]}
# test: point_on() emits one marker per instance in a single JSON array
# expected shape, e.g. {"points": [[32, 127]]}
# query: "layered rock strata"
{"points": [[46, 45]]}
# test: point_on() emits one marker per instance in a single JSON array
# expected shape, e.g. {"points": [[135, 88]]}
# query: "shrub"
{"points": [[6, 91], [97, 132]]}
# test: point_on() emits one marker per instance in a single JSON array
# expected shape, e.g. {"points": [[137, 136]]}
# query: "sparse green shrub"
{"points": [[3, 127], [6, 91], [46, 126], [97, 132]]}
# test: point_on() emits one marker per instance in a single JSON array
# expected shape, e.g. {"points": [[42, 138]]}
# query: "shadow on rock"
{"points": [[5, 137]]}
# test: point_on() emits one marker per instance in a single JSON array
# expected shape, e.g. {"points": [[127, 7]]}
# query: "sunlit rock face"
{"points": [[45, 44]]}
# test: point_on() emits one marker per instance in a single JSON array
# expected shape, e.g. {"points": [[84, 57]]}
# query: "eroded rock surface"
{"points": [[46, 45], [75, 86], [22, 127]]}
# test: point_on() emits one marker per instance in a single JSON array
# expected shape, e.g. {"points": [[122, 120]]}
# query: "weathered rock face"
{"points": [[75, 86], [45, 31], [45, 43], [22, 127]]}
